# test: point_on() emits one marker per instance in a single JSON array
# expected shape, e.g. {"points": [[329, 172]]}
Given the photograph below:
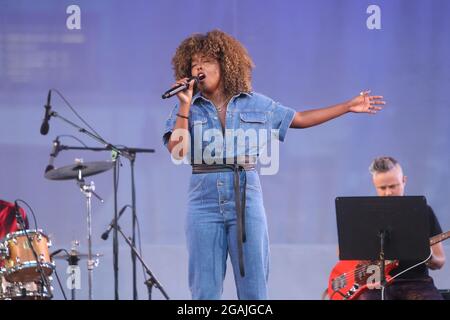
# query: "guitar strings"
{"points": [[347, 275], [352, 273]]}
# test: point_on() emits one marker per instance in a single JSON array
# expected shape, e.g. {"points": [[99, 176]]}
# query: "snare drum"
{"points": [[22, 291], [20, 264]]}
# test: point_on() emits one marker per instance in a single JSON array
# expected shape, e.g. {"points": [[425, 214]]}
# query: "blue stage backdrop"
{"points": [[112, 61]]}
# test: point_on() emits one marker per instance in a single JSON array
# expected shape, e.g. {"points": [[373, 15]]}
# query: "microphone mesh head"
{"points": [[44, 128]]}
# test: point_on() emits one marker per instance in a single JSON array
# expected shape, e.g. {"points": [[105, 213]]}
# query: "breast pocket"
{"points": [[253, 127], [253, 120], [197, 120]]}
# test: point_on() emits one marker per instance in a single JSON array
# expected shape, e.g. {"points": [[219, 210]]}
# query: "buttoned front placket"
{"points": [[224, 184], [224, 188]]}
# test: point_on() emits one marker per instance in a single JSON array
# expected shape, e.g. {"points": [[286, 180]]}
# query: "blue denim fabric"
{"points": [[244, 111], [211, 218]]}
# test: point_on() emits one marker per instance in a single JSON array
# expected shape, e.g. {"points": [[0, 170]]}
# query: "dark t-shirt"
{"points": [[421, 271]]}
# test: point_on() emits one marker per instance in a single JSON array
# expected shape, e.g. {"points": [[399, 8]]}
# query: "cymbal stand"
{"points": [[130, 154], [116, 152], [88, 191]]}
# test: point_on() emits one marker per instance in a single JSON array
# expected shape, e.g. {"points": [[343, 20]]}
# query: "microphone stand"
{"points": [[133, 205], [132, 157], [130, 154], [116, 153], [152, 281]]}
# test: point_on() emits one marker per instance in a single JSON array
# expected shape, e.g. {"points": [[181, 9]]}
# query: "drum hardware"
{"points": [[23, 290], [78, 171], [25, 265], [73, 267], [80, 256], [72, 171], [130, 154], [21, 271], [3, 251], [72, 257], [88, 190], [21, 264], [98, 167]]}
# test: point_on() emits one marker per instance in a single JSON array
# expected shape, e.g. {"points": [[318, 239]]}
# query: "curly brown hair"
{"points": [[234, 60]]}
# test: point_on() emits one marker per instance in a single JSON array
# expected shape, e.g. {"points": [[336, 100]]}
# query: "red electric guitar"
{"points": [[350, 278]]}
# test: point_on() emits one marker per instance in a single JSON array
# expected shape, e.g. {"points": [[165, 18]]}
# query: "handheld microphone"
{"points": [[181, 87], [105, 234], [55, 151], [45, 126]]}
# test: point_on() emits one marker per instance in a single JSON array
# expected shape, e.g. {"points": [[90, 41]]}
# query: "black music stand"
{"points": [[383, 228]]}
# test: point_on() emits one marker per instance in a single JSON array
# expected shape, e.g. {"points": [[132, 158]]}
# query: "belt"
{"points": [[239, 199]]}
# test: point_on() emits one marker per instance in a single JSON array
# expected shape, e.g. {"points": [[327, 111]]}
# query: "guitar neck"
{"points": [[439, 238]]}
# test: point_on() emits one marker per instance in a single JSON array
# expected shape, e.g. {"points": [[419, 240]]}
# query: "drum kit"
{"points": [[26, 265], [20, 276]]}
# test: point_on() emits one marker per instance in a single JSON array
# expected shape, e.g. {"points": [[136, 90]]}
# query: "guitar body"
{"points": [[350, 278], [338, 284]]}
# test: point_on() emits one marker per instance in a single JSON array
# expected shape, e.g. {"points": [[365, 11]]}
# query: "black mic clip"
{"points": [[19, 218], [55, 150]]}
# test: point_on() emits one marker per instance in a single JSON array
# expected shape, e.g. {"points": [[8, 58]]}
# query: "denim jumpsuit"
{"points": [[211, 218]]}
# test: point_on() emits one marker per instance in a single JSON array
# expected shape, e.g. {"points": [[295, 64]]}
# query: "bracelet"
{"points": [[181, 116]]}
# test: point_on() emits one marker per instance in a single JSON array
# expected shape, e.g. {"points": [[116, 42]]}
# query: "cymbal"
{"points": [[71, 171], [66, 256]]}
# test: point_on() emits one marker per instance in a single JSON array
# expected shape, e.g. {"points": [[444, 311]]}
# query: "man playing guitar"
{"points": [[414, 284]]}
